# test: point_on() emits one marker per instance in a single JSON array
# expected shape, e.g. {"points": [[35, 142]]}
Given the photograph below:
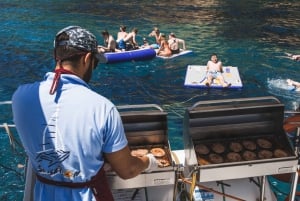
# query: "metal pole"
{"points": [[294, 186], [262, 192], [295, 175]]}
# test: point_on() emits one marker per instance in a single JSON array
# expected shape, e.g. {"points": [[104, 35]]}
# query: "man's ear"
{"points": [[88, 58]]}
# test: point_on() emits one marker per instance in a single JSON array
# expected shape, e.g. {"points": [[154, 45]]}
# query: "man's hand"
{"points": [[153, 163]]}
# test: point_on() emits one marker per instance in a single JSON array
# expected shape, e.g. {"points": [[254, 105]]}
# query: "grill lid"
{"points": [[233, 118], [237, 120], [144, 124]]}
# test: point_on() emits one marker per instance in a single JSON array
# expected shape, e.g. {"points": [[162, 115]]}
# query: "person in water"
{"points": [[214, 70], [73, 130], [296, 57], [174, 43], [294, 83], [145, 43], [293, 56]]}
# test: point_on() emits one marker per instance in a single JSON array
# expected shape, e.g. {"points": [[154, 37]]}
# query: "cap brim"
{"points": [[101, 57]]}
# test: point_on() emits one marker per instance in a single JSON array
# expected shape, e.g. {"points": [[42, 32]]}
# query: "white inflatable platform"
{"points": [[196, 77]]}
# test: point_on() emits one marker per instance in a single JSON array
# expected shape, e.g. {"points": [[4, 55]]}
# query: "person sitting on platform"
{"points": [[129, 42], [109, 41], [156, 33], [174, 43], [214, 71], [122, 33], [164, 49]]}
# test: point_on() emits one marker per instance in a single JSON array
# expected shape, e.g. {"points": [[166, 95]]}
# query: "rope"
{"points": [[11, 169], [10, 136], [178, 104], [212, 190], [13, 142], [193, 185], [182, 101]]}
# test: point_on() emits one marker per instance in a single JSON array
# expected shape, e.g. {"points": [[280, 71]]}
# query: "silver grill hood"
{"points": [[236, 120], [145, 127]]}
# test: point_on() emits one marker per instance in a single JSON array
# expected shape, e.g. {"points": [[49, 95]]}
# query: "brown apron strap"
{"points": [[98, 184], [100, 187]]}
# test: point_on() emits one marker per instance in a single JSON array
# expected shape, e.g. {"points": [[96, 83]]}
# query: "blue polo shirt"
{"points": [[65, 134]]}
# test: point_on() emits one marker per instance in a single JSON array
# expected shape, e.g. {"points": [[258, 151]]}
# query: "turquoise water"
{"points": [[252, 35]]}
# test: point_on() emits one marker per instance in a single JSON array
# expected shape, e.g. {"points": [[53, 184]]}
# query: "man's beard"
{"points": [[88, 74]]}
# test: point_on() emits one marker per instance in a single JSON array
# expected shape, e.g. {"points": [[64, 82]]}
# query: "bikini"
{"points": [[175, 51]]}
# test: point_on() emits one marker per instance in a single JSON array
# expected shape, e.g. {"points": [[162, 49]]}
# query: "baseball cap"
{"points": [[79, 38]]}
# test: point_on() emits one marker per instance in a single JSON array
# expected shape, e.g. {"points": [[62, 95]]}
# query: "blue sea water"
{"points": [[252, 35]]}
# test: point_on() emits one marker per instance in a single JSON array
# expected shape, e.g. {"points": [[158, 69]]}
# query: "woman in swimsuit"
{"points": [[156, 33], [174, 43], [164, 49]]}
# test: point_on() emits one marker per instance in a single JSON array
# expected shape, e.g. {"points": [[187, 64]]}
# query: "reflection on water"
{"points": [[252, 35]]}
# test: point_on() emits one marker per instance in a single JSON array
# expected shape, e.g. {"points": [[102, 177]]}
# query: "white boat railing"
{"points": [[29, 178], [7, 126], [5, 102]]}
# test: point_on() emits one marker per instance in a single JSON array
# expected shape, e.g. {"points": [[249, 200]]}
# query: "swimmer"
{"points": [[294, 83], [296, 57], [293, 57]]}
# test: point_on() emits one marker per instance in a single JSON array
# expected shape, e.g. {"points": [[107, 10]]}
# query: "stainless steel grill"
{"points": [[224, 123], [145, 128]]}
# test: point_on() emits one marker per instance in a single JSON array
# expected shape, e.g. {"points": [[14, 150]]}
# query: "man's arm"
{"points": [[220, 66], [133, 40], [152, 33], [208, 66], [125, 165]]}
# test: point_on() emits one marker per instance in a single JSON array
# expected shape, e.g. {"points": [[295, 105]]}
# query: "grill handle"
{"points": [[295, 175], [209, 102], [142, 106], [296, 144]]}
